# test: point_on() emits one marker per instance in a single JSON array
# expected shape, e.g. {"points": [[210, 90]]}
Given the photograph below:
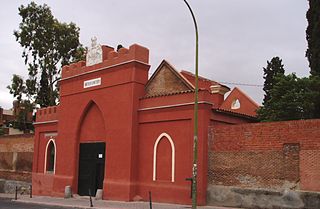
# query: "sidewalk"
{"points": [[84, 202]]}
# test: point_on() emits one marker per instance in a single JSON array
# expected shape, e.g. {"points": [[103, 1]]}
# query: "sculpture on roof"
{"points": [[94, 54]]}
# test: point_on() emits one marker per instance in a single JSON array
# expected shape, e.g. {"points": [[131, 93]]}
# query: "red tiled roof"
{"points": [[230, 112]]}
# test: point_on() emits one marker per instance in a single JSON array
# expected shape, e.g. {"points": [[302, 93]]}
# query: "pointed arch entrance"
{"points": [[92, 148]]}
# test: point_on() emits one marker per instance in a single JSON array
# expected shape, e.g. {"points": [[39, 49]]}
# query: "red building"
{"points": [[9, 119], [119, 131]]}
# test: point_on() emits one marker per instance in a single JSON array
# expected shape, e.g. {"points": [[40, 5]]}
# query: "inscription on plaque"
{"points": [[92, 82]]}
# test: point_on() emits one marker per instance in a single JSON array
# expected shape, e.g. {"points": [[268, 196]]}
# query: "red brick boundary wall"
{"points": [[16, 153], [273, 155]]}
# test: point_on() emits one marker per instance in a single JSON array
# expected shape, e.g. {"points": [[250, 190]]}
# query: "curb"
{"points": [[53, 204], [84, 204]]}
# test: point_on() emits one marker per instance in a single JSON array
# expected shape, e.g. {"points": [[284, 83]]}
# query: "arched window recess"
{"points": [[50, 157], [163, 136]]}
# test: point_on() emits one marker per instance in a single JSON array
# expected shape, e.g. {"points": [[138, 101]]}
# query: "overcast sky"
{"points": [[236, 37]]}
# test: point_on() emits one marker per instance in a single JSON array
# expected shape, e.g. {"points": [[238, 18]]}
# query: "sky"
{"points": [[236, 38]]}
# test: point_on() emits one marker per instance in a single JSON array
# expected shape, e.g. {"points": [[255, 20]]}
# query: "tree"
{"points": [[17, 87], [313, 51], [47, 45], [23, 113], [313, 37], [273, 69], [315, 87], [291, 98]]}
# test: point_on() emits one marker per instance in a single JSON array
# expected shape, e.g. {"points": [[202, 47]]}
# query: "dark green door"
{"points": [[91, 168]]}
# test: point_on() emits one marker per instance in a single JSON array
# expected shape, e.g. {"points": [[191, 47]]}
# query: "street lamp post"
{"points": [[195, 137]]}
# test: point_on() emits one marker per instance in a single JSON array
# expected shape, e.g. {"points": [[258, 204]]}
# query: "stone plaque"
{"points": [[94, 54], [92, 82]]}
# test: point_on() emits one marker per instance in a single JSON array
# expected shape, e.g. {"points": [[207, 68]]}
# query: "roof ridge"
{"points": [[203, 78]]}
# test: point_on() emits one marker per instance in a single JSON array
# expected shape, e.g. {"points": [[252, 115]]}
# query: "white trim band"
{"points": [[175, 105], [44, 122], [50, 134]]}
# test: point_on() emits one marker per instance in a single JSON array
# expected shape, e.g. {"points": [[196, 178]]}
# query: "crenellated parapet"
{"points": [[47, 114], [110, 57]]}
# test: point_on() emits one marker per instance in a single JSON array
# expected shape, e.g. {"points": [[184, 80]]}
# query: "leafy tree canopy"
{"points": [[47, 45], [17, 87], [291, 98]]}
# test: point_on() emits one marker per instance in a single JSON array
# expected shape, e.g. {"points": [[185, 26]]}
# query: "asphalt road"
{"points": [[6, 203]]}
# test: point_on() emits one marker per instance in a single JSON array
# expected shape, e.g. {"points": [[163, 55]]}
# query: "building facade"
{"points": [[119, 131]]}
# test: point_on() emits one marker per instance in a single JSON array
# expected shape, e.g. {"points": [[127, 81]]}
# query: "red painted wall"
{"points": [[164, 160], [92, 127], [117, 113], [42, 182], [180, 132], [117, 100], [173, 115], [107, 112]]}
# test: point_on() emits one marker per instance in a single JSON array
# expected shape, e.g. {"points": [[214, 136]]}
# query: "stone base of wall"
{"points": [[9, 187], [262, 198]]}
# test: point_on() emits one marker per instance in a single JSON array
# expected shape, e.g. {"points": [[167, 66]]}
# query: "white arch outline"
{"points": [[155, 156], [55, 156]]}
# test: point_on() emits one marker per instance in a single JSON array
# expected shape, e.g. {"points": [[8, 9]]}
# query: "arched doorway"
{"points": [[91, 151]]}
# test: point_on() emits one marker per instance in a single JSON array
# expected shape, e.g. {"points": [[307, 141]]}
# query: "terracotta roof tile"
{"points": [[234, 113], [168, 94]]}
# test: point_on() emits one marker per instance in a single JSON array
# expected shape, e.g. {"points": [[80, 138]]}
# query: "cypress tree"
{"points": [[273, 69], [43, 98], [313, 37], [313, 51]]}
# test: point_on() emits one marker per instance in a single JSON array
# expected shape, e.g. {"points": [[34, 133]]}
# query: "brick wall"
{"points": [[16, 153], [165, 81], [266, 155]]}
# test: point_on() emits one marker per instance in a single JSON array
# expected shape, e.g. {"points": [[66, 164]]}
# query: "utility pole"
{"points": [[195, 129]]}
